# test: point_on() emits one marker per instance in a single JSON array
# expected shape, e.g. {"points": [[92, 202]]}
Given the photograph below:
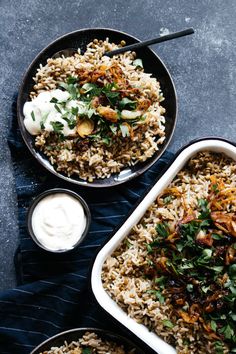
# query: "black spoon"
{"points": [[71, 51], [136, 46]]}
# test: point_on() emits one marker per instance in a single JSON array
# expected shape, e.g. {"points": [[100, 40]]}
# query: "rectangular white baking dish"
{"points": [[109, 305]]}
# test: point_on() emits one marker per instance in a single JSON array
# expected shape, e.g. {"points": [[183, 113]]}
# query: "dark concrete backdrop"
{"points": [[203, 68]]}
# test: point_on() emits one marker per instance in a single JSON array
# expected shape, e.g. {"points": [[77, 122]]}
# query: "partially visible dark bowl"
{"points": [[152, 64], [55, 191], [75, 334]]}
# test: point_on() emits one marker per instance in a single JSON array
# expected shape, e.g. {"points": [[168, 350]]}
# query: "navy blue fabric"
{"points": [[53, 293]]}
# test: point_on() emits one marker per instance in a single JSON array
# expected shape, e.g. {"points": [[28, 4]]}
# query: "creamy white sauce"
{"points": [[45, 112], [58, 221]]}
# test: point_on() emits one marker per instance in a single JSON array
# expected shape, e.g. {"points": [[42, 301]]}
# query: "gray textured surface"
{"points": [[203, 68]]}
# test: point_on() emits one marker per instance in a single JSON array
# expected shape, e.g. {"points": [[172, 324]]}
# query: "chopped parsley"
{"points": [[138, 63], [57, 126], [204, 210], [167, 199], [87, 350], [168, 323], [127, 104], [33, 116], [54, 100]]}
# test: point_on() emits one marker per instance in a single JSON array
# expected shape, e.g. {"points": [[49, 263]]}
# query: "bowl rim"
{"points": [[46, 193], [50, 167], [90, 329]]}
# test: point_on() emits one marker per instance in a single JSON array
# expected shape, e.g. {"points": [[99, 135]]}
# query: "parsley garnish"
{"points": [[71, 80], [54, 100], [168, 323], [110, 94], [204, 210], [74, 111], [127, 103], [158, 295], [33, 116], [86, 351], [167, 199], [57, 126], [138, 63], [57, 108], [162, 230]]}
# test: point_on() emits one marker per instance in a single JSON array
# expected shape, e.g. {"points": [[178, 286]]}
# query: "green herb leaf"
{"points": [[219, 348], [89, 87], [113, 128], [217, 269], [127, 103], [43, 120], [232, 272], [227, 331], [213, 325], [71, 89], [204, 210], [189, 287], [71, 80], [167, 199], [72, 123], [110, 94], [216, 236], [57, 108], [106, 140], [150, 262], [205, 288], [215, 188], [33, 116], [138, 63], [161, 229], [160, 280], [149, 248], [57, 126], [86, 351], [168, 323], [74, 111], [54, 100], [233, 316]]}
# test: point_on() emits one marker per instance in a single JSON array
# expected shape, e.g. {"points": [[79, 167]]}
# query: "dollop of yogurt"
{"points": [[58, 221], [49, 107]]}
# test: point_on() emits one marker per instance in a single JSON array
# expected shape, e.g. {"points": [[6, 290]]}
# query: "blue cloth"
{"points": [[53, 289]]}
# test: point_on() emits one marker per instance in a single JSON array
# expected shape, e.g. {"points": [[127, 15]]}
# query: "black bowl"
{"points": [[75, 334], [50, 192], [152, 64]]}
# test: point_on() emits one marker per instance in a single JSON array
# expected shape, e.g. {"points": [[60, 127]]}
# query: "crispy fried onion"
{"points": [[225, 221], [192, 315], [221, 197]]}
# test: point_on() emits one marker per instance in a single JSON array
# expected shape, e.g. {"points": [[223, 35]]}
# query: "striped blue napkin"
{"points": [[53, 289]]}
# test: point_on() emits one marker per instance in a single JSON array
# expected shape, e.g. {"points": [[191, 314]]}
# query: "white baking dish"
{"points": [[142, 332]]}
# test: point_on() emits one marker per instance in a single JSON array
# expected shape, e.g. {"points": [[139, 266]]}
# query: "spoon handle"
{"points": [[165, 38]]}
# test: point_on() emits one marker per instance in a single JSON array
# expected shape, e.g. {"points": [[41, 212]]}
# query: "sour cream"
{"points": [[50, 107], [58, 221]]}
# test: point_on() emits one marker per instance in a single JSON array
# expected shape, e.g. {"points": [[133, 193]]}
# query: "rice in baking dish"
{"points": [[90, 343], [176, 270], [108, 112]]}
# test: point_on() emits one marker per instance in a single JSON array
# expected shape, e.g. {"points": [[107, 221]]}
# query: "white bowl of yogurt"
{"points": [[58, 220]]}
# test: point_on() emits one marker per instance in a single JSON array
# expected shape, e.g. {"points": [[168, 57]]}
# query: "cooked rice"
{"points": [[123, 276], [90, 341], [99, 160]]}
